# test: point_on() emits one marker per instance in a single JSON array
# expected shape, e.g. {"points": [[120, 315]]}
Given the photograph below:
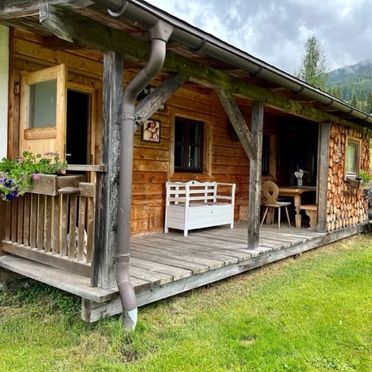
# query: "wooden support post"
{"points": [[156, 99], [255, 176], [108, 183], [237, 121], [323, 164]]}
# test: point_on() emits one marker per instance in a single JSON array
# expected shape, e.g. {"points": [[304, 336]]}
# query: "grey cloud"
{"points": [[276, 31]]}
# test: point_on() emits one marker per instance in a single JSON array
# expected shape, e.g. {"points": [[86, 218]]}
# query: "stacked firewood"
{"points": [[345, 206]]}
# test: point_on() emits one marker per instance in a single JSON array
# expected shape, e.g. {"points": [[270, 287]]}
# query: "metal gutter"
{"points": [[207, 44]]}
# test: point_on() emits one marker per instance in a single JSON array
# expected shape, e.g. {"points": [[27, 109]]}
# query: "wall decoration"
{"points": [[151, 131]]}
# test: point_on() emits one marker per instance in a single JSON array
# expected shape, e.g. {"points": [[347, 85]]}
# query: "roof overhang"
{"points": [[194, 44]]}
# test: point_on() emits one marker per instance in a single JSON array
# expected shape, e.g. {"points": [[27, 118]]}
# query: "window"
{"points": [[43, 104], [352, 158], [188, 145]]}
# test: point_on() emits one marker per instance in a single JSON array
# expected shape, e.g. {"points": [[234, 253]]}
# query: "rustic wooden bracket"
{"points": [[237, 121], [157, 98]]}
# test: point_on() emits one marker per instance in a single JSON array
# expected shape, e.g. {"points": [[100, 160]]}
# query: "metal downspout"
{"points": [[159, 35]]}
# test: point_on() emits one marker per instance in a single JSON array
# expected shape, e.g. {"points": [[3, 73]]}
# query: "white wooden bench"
{"points": [[195, 205]]}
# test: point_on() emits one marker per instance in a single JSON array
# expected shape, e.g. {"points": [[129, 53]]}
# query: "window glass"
{"points": [[188, 149], [352, 158], [42, 109]]}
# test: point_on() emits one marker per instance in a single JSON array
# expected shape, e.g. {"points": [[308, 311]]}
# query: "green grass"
{"points": [[309, 314]]}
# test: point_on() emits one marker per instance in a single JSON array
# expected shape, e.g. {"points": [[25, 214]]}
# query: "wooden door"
{"points": [[43, 111]]}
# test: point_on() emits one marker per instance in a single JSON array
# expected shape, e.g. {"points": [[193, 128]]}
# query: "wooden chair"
{"points": [[270, 192]]}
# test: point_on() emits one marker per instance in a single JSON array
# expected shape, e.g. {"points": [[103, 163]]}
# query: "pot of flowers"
{"points": [[33, 173], [299, 175]]}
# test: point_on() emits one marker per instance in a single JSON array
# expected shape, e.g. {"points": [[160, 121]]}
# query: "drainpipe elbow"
{"points": [[159, 35], [127, 294]]}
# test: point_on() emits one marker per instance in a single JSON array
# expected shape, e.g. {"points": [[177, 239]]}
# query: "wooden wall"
{"points": [[345, 206], [28, 55], [225, 159], [4, 73]]}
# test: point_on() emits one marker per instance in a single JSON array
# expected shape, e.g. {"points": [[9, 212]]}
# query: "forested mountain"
{"points": [[353, 84]]}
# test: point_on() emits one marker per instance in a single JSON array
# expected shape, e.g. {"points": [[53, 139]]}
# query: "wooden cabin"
{"points": [[220, 115]]}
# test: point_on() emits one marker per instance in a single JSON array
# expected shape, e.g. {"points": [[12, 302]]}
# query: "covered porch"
{"points": [[74, 239], [163, 265]]}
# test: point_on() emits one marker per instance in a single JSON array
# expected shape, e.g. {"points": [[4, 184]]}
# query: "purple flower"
{"points": [[35, 176], [9, 196], [2, 179]]}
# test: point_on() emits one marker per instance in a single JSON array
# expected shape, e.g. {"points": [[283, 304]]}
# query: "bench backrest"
{"points": [[198, 192]]}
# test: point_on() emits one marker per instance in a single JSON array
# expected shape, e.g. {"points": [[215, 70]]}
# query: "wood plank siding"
{"points": [[224, 157], [345, 203]]}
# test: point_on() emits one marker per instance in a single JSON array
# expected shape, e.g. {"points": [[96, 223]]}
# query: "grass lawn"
{"points": [[309, 314]]}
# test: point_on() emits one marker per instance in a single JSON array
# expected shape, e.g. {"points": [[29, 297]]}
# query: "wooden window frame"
{"points": [[358, 143], [54, 135], [188, 142], [207, 145]]}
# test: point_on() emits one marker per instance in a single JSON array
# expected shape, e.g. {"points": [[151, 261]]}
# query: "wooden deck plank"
{"points": [[232, 249], [187, 248], [151, 276], [243, 251], [220, 237], [212, 263], [176, 272], [194, 267], [210, 242]]}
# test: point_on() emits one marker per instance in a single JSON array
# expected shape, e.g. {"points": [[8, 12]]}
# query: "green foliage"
{"points": [[309, 314], [312, 69], [353, 84], [365, 176], [16, 176]]}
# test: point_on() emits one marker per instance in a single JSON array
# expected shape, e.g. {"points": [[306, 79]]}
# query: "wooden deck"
{"points": [[163, 265], [164, 258]]}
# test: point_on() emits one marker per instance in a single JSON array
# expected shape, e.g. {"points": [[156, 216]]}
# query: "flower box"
{"points": [[49, 184], [355, 183]]}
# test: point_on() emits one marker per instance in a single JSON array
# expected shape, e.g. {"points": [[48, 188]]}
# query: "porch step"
{"points": [[76, 284]]}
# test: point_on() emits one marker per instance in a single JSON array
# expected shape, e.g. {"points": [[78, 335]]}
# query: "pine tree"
{"points": [[313, 69], [354, 101], [369, 103]]}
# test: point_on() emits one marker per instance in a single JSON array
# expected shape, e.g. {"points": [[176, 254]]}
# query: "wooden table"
{"points": [[295, 192]]}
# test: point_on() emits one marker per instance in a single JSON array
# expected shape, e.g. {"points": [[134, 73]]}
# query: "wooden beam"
{"points": [[237, 121], [108, 183], [53, 42], [157, 98], [25, 8], [255, 177], [323, 164], [98, 36]]}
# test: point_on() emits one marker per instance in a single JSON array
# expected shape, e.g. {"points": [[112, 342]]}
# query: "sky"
{"points": [[276, 30]]}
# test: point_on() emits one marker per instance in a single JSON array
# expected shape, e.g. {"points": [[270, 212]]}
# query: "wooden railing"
{"points": [[56, 230]]}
